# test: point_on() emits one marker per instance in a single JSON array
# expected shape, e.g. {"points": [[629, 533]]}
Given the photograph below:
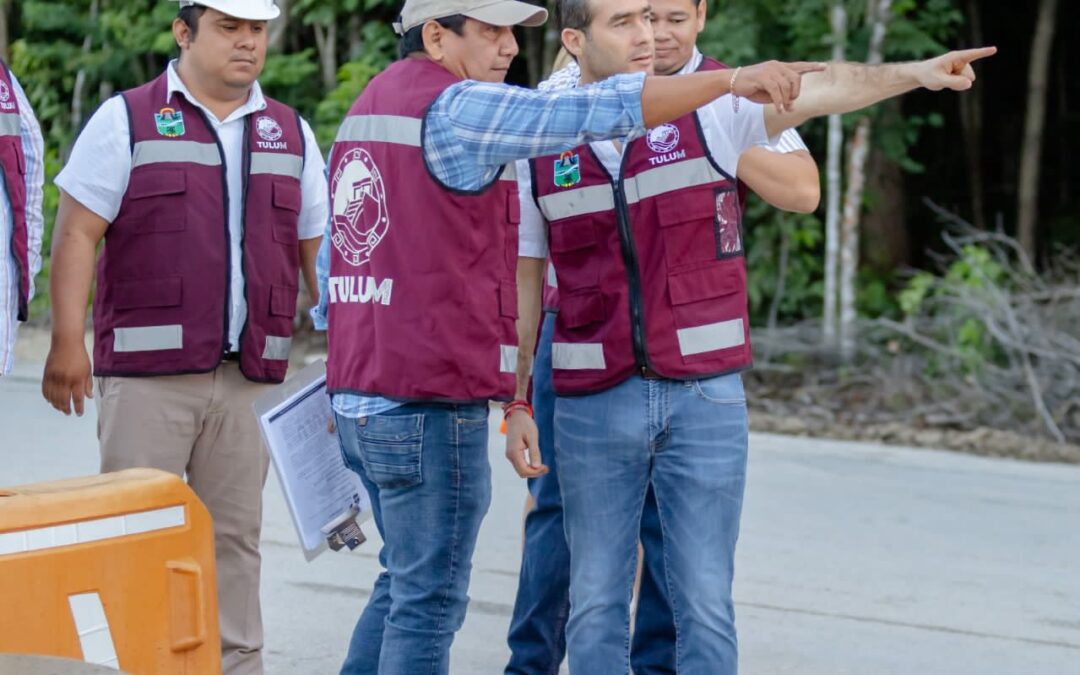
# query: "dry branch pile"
{"points": [[986, 360]]}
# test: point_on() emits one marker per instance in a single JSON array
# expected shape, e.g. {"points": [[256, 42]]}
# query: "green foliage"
{"points": [[940, 300], [352, 78], [803, 278]]}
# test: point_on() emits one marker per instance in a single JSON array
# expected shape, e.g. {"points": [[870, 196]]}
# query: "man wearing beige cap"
{"points": [[417, 278], [210, 199]]}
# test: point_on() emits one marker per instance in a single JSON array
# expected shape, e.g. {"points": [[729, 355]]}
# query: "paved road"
{"points": [[854, 558]]}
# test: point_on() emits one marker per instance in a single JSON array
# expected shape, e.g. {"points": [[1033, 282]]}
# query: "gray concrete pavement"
{"points": [[854, 558]]}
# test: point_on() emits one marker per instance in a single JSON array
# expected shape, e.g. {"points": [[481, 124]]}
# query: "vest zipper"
{"points": [[245, 180], [228, 237], [633, 271]]}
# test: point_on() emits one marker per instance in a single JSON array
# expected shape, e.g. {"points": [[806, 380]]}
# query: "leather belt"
{"points": [[650, 374]]}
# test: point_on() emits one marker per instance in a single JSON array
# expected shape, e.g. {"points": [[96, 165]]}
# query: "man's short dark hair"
{"points": [[413, 39], [190, 15], [576, 14]]}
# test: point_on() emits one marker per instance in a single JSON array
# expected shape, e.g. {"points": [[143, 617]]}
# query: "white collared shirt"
{"points": [[96, 176], [727, 135]]}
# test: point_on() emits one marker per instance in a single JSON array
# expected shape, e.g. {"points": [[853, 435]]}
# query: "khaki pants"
{"points": [[202, 425]]}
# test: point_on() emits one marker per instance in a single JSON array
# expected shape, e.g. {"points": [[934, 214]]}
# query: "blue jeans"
{"points": [[537, 635], [689, 441], [426, 469]]}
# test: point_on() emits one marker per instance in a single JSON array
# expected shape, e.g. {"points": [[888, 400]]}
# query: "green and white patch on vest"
{"points": [[567, 170], [170, 122]]}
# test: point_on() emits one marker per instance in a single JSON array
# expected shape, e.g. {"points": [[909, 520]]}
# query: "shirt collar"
{"points": [[693, 64], [256, 101]]}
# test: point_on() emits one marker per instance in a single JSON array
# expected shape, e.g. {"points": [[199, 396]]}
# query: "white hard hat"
{"points": [[252, 10]]}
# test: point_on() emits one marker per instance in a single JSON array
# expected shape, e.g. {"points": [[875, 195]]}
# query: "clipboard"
{"points": [[326, 499]]}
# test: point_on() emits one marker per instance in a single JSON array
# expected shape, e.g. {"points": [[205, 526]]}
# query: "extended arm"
{"points": [[844, 87], [474, 128]]}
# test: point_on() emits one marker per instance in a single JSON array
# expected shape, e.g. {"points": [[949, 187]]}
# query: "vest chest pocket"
{"points": [[573, 242], [700, 225], [286, 213], [156, 200]]}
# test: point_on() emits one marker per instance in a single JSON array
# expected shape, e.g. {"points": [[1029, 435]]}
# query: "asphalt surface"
{"points": [[854, 558]]}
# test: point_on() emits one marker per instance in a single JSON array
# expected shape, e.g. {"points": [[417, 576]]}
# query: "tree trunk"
{"points": [[5, 8], [80, 77], [279, 29], [849, 227], [356, 35], [884, 232], [326, 43], [971, 120], [834, 180], [1031, 150]]}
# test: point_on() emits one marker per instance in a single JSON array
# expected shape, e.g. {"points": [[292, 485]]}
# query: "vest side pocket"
{"points": [[508, 300], [709, 311], [147, 293], [581, 309], [287, 202], [283, 301]]}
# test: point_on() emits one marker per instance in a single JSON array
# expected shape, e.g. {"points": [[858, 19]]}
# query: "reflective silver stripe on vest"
{"points": [[552, 278], [592, 199], [277, 164], [508, 359], [509, 172], [572, 356], [277, 348], [597, 198], [9, 124], [160, 152], [148, 338], [384, 128], [711, 337], [688, 174]]}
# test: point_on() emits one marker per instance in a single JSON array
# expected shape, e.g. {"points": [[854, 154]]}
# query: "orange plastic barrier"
{"points": [[115, 570]]}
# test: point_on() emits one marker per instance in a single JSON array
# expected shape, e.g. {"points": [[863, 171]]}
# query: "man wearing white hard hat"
{"points": [[417, 279], [211, 199]]}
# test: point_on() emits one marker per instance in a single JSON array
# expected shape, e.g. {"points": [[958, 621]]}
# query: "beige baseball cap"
{"points": [[496, 12]]}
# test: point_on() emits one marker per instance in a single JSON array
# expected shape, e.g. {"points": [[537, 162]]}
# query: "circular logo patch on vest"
{"points": [[361, 219], [663, 138], [5, 93], [268, 129]]}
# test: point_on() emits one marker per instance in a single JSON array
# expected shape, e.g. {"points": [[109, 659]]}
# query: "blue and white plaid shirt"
{"points": [[475, 128], [34, 150]]}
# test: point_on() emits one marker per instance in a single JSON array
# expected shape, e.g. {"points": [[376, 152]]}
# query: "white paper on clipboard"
{"points": [[293, 419]]}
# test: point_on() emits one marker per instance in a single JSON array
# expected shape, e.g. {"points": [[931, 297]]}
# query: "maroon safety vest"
{"points": [[13, 175], [422, 287], [650, 265], [164, 273]]}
